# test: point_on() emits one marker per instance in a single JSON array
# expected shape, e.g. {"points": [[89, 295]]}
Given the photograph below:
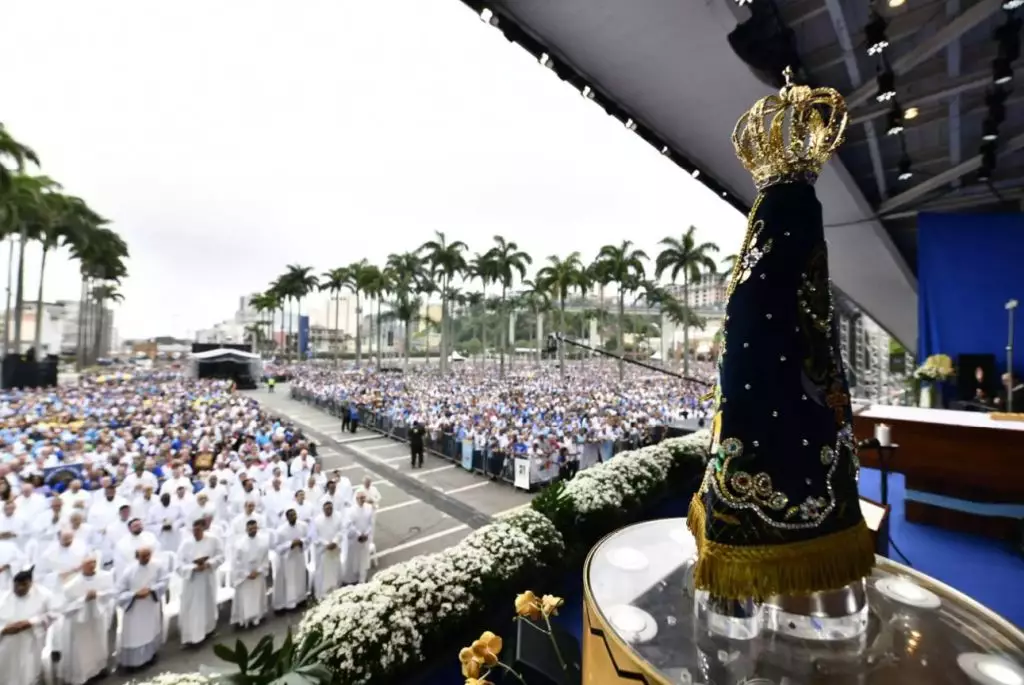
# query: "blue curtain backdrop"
{"points": [[968, 267]]}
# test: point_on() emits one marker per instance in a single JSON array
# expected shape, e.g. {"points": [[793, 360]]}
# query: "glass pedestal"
{"points": [[644, 623]]}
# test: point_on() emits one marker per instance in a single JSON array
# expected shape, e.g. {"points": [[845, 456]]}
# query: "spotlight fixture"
{"points": [[488, 16], [1010, 5], [990, 130], [1002, 72], [886, 81], [895, 121], [912, 112], [874, 33], [546, 61], [630, 124], [695, 173], [665, 151], [899, 3], [741, 3], [587, 92], [906, 173]]}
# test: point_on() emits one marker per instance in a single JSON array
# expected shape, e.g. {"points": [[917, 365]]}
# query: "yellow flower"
{"points": [[478, 681], [470, 664], [549, 605], [527, 605], [487, 648]]}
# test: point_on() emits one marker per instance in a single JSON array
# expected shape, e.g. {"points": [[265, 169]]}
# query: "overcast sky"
{"points": [[227, 139]]}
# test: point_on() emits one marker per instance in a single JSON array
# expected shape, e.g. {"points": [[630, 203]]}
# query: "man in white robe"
{"points": [[128, 545], [139, 589], [26, 613], [112, 534], [339, 490], [198, 559], [358, 533], [60, 561], [276, 499], [165, 521], [86, 636], [11, 559], [13, 527], [370, 492], [291, 577], [240, 523], [328, 539], [250, 568]]}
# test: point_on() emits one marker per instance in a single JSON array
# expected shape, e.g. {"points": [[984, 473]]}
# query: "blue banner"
{"points": [[607, 450], [304, 336], [57, 477], [467, 455], [968, 268]]}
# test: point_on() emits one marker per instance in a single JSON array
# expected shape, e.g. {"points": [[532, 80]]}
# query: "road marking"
{"points": [[421, 474], [420, 541], [383, 445], [510, 512], [393, 460], [400, 505], [467, 487]]}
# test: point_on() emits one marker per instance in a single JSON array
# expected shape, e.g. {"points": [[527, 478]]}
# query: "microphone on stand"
{"points": [[1010, 306]]}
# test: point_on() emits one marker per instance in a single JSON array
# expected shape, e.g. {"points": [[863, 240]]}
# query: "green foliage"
{"points": [[293, 663]]}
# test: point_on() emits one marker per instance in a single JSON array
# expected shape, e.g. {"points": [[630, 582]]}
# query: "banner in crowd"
{"points": [[543, 471], [522, 477], [607, 450], [467, 455], [63, 474]]}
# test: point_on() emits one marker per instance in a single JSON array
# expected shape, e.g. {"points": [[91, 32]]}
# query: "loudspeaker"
{"points": [[977, 372], [536, 659]]}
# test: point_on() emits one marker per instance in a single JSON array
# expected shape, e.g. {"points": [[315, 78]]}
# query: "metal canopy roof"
{"points": [[666, 70], [941, 53]]}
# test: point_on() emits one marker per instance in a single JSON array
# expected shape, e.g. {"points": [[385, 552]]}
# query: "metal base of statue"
{"points": [[643, 622]]}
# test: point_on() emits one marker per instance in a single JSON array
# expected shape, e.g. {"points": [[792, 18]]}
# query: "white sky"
{"points": [[227, 139]]}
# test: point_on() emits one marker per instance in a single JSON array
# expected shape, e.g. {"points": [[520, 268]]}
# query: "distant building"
{"points": [[707, 293]]}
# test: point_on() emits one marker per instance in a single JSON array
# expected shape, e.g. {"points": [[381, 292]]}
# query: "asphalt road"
{"points": [[421, 511]]}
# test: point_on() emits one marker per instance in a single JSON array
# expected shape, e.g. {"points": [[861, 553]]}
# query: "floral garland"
{"points": [[377, 629], [937, 367]]}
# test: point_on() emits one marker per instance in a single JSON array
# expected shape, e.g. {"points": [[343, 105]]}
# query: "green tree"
{"points": [[559, 278], [505, 262], [623, 265], [334, 281], [101, 254], [538, 300], [684, 255], [14, 157], [447, 261]]}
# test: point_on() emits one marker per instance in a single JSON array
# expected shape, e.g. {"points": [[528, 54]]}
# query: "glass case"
{"points": [[645, 624]]}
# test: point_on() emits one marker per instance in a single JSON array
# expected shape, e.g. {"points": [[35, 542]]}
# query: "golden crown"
{"points": [[785, 138]]}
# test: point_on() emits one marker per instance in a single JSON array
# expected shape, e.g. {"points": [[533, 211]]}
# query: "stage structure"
{"points": [[245, 368]]}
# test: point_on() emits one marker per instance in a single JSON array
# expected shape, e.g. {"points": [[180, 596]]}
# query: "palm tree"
{"points": [[301, 282], [505, 261], [729, 263], [559, 278], [102, 294], [70, 223], [406, 308], [624, 265], [361, 275], [537, 300], [13, 158], [447, 261], [101, 254], [334, 281], [598, 275], [686, 256], [376, 287]]}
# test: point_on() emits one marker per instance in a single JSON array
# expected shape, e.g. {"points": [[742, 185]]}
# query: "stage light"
{"points": [[906, 173], [741, 3], [587, 92], [895, 121], [1002, 72], [874, 34], [488, 16], [1010, 5], [546, 61], [898, 3], [630, 124], [886, 85], [665, 151], [912, 112], [990, 130], [695, 173]]}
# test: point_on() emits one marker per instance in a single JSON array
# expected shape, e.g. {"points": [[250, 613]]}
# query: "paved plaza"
{"points": [[421, 511]]}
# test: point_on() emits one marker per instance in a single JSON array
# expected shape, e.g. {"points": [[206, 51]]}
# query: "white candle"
{"points": [[883, 434]]}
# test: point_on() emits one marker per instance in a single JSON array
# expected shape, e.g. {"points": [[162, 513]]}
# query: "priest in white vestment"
{"points": [[291, 577], [250, 568], [358, 534], [11, 559], [140, 588], [165, 521], [26, 613], [129, 545], [369, 491], [328, 540], [61, 560], [85, 640], [198, 559]]}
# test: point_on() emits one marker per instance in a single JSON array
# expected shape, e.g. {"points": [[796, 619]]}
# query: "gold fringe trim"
{"points": [[798, 568]]}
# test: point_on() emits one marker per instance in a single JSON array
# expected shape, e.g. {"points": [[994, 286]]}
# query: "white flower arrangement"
{"points": [[379, 627]]}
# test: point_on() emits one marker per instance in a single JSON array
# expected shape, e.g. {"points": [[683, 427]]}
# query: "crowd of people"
{"points": [[129, 499], [531, 412]]}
